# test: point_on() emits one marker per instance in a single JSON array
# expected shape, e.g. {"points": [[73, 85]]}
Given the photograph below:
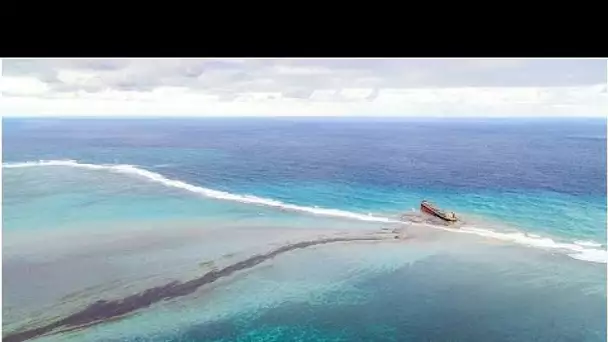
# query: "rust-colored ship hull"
{"points": [[428, 208]]}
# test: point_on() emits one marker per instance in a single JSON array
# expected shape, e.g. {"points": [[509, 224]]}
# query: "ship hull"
{"points": [[428, 209]]}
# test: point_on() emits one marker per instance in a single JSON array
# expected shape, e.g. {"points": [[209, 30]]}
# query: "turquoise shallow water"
{"points": [[143, 203], [389, 292], [574, 217], [68, 194]]}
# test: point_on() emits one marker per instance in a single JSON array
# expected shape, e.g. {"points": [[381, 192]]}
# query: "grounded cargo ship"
{"points": [[429, 208]]}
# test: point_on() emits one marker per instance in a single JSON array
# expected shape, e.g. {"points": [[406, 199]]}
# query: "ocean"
{"points": [[103, 209]]}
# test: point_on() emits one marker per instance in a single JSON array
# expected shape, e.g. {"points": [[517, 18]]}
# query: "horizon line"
{"points": [[244, 116]]}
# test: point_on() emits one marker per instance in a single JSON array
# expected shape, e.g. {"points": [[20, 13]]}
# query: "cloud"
{"points": [[258, 97], [300, 70], [22, 86], [356, 93], [495, 63], [304, 87], [586, 101], [323, 95]]}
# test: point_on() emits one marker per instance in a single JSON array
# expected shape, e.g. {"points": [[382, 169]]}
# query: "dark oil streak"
{"points": [[103, 310]]}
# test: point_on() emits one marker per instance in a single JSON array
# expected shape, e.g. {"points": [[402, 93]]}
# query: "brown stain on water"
{"points": [[104, 310]]}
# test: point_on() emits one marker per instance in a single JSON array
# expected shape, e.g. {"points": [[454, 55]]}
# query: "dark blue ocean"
{"points": [[101, 207]]}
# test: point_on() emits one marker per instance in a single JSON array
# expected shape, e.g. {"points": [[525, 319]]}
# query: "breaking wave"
{"points": [[578, 249], [574, 250], [587, 243], [158, 178]]}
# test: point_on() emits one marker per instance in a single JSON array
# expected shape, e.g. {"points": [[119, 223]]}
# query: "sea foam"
{"points": [[578, 249]]}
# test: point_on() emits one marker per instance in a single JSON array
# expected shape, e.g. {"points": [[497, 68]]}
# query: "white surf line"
{"points": [[158, 178], [587, 243], [574, 250]]}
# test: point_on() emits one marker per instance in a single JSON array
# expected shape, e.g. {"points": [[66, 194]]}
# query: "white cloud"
{"points": [[366, 82], [356, 93], [303, 87], [74, 77], [301, 70], [258, 97], [323, 95], [585, 101], [22, 86], [496, 63]]}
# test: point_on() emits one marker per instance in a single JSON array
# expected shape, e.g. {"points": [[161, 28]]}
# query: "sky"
{"points": [[304, 87]]}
